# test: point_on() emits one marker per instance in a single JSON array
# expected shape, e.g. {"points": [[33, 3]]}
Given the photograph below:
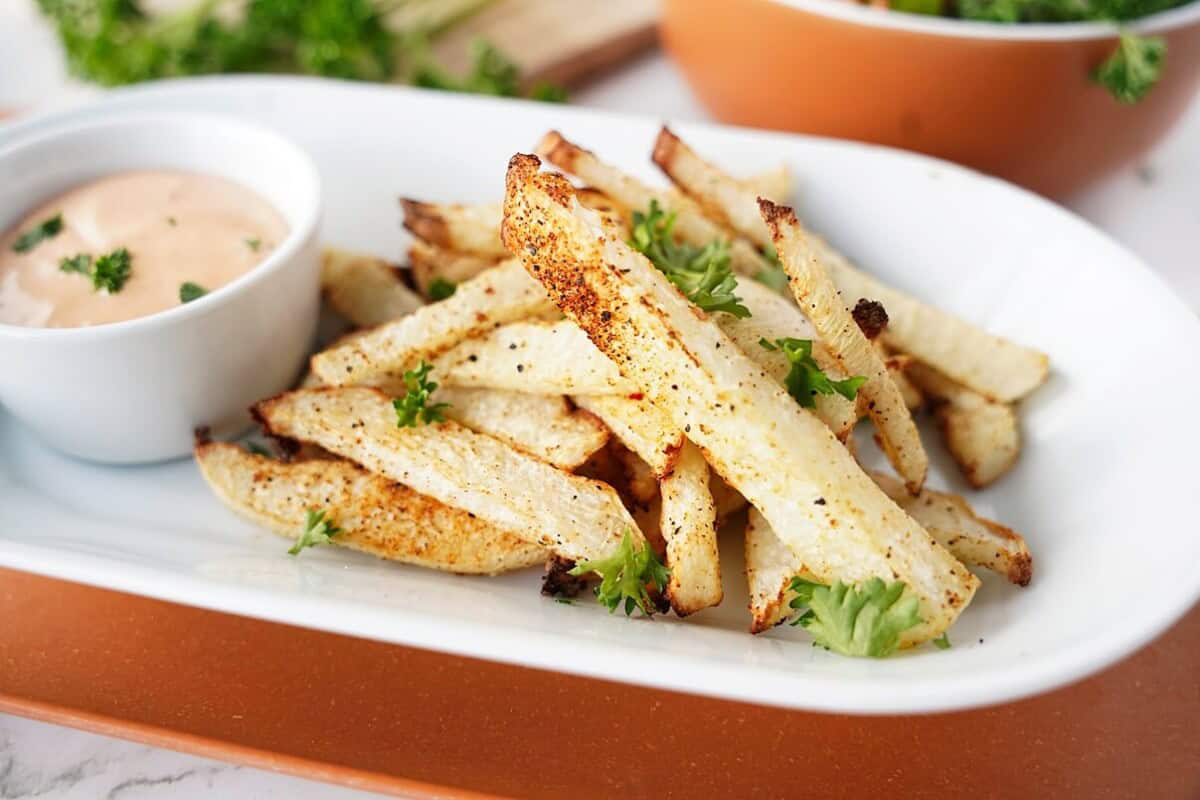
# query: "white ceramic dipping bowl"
{"points": [[134, 392]]}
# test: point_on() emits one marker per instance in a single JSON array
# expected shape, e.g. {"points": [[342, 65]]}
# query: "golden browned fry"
{"points": [[574, 517], [688, 523], [430, 262], [691, 225], [376, 515], [364, 289], [971, 538], [544, 426], [770, 567], [989, 364], [380, 358], [454, 226], [639, 426], [782, 458], [774, 184], [982, 434], [538, 357], [897, 366], [818, 299], [727, 499]]}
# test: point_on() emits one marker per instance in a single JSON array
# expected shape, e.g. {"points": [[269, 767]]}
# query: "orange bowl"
{"points": [[1013, 100]]}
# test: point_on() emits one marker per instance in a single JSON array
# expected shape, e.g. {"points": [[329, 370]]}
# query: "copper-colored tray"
{"points": [[395, 719]]}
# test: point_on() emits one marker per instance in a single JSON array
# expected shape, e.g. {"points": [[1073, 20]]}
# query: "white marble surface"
{"points": [[1154, 210]]}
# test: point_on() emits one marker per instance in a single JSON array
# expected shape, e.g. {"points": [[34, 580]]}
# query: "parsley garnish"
{"points": [[112, 271], [942, 642], [81, 263], [317, 530], [46, 229], [440, 289], [805, 379], [189, 291], [109, 272], [703, 274], [253, 244], [491, 72], [1133, 68], [624, 576], [414, 406], [855, 621], [772, 275]]}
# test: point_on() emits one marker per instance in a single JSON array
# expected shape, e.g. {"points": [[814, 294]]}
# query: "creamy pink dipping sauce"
{"points": [[178, 227]]}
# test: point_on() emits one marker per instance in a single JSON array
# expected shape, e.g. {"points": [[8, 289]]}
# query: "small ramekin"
{"points": [[134, 392]]}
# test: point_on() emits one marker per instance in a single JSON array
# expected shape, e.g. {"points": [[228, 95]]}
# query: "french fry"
{"points": [[727, 499], [770, 567], [784, 460], [538, 357], [818, 298], [691, 225], [430, 262], [897, 367], [773, 184], [365, 289], [380, 358], [688, 524], [639, 426], [989, 364], [972, 539], [454, 226], [544, 426], [574, 517], [982, 434], [376, 515]]}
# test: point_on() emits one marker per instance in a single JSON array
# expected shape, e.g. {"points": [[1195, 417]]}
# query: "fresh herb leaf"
{"points": [[566, 601], [189, 291], [942, 642], [933, 7], [253, 244], [772, 275], [81, 263], [46, 229], [866, 620], [703, 274], [111, 271], [1133, 68], [254, 448], [440, 289], [317, 530], [624, 576], [990, 10], [805, 380], [414, 407], [491, 72]]}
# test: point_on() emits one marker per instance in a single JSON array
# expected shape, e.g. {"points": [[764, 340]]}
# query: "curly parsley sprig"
{"points": [[109, 272], [414, 406], [805, 380], [864, 620], [703, 274], [46, 229], [318, 529], [624, 576]]}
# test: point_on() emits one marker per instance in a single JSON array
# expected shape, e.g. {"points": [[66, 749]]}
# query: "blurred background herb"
{"points": [[114, 42]]}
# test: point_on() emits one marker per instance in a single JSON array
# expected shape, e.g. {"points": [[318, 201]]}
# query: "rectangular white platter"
{"points": [[1104, 491]]}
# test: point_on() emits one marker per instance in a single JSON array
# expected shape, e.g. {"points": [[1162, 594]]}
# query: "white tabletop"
{"points": [[1154, 210]]}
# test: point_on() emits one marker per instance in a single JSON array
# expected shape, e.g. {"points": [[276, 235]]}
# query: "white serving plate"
{"points": [[1105, 492]]}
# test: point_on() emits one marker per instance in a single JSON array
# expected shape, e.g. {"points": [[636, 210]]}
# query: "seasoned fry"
{"points": [[689, 526], [691, 225], [454, 226], [989, 364], [897, 367], [780, 457], [728, 500], [376, 515], [539, 357], [981, 434], [818, 298], [365, 289], [774, 184], [574, 517], [639, 426], [770, 567], [430, 262], [544, 426], [498, 295], [971, 538]]}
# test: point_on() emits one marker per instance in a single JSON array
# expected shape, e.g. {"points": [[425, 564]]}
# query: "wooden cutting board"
{"points": [[562, 41]]}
